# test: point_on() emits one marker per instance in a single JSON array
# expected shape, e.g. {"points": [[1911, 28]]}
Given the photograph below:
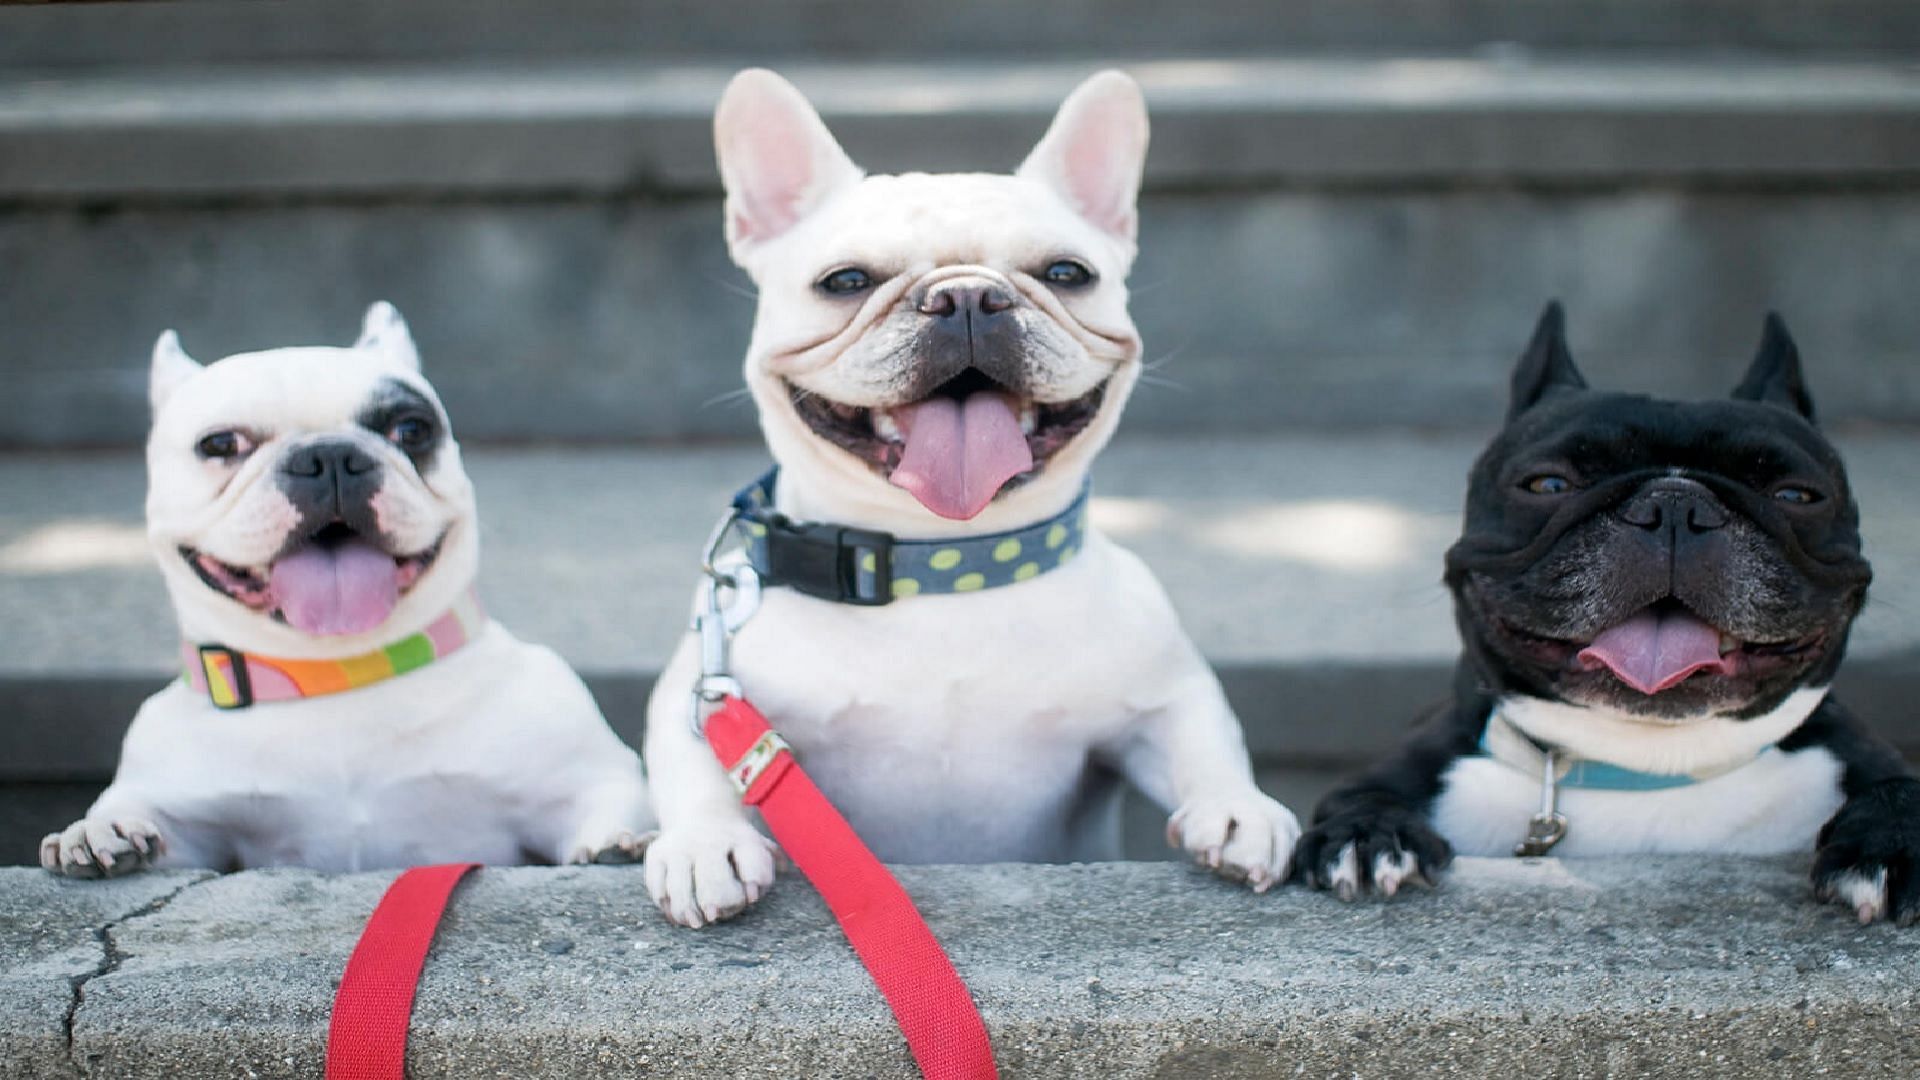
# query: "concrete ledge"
{"points": [[1674, 967], [53, 939]]}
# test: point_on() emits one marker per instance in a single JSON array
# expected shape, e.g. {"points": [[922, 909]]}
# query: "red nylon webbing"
{"points": [[367, 1038], [929, 1001]]}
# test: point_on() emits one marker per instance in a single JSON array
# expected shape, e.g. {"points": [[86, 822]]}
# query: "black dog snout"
{"points": [[331, 480], [969, 299], [1672, 503], [319, 461], [970, 323]]}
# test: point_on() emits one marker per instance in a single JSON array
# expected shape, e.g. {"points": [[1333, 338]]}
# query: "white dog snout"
{"points": [[967, 297]]}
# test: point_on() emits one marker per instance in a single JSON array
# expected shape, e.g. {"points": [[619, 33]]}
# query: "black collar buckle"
{"points": [[832, 562], [237, 676]]}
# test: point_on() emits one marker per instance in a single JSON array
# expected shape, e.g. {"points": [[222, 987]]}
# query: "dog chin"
{"points": [[336, 582], [880, 436], [1729, 677]]}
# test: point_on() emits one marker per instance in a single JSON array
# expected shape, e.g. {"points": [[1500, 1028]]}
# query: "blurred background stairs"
{"points": [[1353, 211]]}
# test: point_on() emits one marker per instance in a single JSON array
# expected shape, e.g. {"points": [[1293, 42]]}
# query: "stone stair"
{"points": [[1352, 211]]}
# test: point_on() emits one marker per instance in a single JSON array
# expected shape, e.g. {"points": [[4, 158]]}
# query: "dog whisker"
{"points": [[727, 398], [1160, 383], [733, 287]]}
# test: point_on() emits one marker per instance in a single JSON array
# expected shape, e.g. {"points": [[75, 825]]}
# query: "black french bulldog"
{"points": [[1654, 597]]}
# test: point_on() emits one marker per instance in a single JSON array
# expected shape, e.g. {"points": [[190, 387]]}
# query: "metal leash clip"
{"points": [[1549, 826], [725, 601]]}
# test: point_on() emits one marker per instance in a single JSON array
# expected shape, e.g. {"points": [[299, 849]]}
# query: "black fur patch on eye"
{"points": [[406, 418]]}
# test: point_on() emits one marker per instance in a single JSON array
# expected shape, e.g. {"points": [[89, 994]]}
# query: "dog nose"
{"points": [[328, 460], [1673, 502], [966, 298]]}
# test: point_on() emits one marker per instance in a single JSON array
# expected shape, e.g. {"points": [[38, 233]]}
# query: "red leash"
{"points": [[367, 1038], [929, 1000]]}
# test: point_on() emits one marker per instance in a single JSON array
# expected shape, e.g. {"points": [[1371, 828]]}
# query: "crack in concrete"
{"points": [[110, 960]]}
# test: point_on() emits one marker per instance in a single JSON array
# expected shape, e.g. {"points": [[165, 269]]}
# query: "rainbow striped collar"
{"points": [[235, 680]]}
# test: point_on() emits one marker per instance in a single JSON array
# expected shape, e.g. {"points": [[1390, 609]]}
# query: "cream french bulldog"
{"points": [[940, 357], [347, 705]]}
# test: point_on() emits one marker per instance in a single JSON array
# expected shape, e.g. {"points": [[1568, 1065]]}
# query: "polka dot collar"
{"points": [[864, 566]]}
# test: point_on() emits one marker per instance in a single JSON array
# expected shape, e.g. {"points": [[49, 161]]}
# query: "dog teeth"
{"points": [[1729, 644], [884, 426], [1029, 418]]}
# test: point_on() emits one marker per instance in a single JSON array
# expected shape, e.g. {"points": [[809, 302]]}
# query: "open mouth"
{"points": [[334, 582], [960, 446], [1665, 646]]}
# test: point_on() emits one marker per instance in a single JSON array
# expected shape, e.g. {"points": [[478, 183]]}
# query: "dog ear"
{"points": [[171, 367], [1093, 153], [778, 161], [1774, 376], [383, 331], [1546, 368]]}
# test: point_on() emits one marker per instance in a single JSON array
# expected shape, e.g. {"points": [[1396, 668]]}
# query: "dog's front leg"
{"points": [[1867, 858], [1373, 833], [118, 836], [607, 822], [1189, 756], [708, 862]]}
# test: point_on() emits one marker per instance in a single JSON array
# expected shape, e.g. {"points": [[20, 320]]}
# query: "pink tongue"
{"points": [[960, 452], [347, 589], [1654, 651]]}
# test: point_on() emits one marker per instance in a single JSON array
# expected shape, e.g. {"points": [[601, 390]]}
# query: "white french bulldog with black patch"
{"points": [[940, 357], [348, 706]]}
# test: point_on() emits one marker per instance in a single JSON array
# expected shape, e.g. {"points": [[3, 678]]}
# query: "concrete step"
{"points": [[199, 32], [614, 126], [1678, 967], [1328, 240], [1306, 569]]}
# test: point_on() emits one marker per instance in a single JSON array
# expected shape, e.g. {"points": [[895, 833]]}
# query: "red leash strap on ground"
{"points": [[367, 1038], [929, 1001]]}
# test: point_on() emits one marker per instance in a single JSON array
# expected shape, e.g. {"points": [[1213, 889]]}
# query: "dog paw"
{"points": [[703, 875], [98, 847], [1868, 856], [621, 849], [1246, 837], [1377, 850]]}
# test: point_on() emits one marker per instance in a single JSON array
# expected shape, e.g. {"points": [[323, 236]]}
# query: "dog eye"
{"points": [[1068, 273], [1797, 495], [846, 281], [411, 433], [1548, 484], [223, 446]]}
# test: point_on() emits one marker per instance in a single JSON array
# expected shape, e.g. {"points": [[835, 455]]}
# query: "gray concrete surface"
{"points": [[1381, 225], [606, 126], [55, 936], [216, 31], [1263, 311], [1650, 967]]}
